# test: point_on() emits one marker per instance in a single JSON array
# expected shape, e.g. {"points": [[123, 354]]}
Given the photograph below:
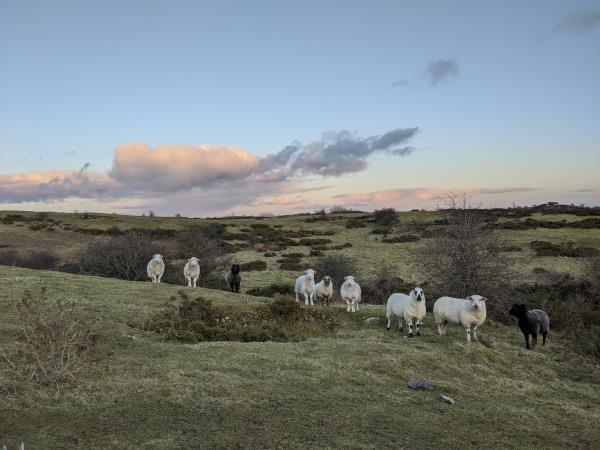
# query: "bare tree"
{"points": [[123, 256], [465, 258]]}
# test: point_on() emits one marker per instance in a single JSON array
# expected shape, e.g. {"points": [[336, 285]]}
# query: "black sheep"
{"points": [[234, 278], [531, 323]]}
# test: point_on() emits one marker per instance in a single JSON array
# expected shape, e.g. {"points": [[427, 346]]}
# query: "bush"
{"points": [[402, 238], [254, 265], [385, 216], [355, 223], [337, 266], [124, 257], [311, 242], [377, 290], [272, 290], [50, 349], [205, 242], [199, 320], [40, 260], [543, 248]]}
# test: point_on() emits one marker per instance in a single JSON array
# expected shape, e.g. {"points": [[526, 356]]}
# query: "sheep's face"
{"points": [[309, 274], [418, 294], [350, 280], [326, 280], [235, 269], [157, 258], [194, 262], [518, 310], [477, 302]]}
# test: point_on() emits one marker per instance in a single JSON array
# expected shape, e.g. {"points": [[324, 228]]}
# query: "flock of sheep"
{"points": [[469, 312]]}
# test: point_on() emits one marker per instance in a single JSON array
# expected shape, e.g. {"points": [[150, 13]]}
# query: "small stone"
{"points": [[421, 384], [372, 320], [131, 337], [447, 399]]}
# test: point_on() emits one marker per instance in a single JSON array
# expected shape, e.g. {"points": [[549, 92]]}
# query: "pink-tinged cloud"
{"points": [[170, 168], [391, 196], [282, 201], [55, 185]]}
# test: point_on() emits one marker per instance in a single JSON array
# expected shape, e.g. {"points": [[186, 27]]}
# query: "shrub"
{"points": [[205, 242], [315, 241], [40, 260], [543, 248], [199, 320], [124, 257], [337, 266], [402, 238], [377, 290], [254, 265], [50, 349], [269, 254], [355, 223], [272, 290], [385, 216]]}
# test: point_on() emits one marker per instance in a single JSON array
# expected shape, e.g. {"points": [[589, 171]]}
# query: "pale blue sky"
{"points": [[79, 78]]}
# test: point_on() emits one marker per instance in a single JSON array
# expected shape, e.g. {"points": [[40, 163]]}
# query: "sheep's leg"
{"points": [[544, 338], [305, 298], [237, 287], [311, 296], [400, 325], [194, 280], [347, 305], [356, 306], [468, 328], [418, 328], [389, 318], [410, 325], [297, 300], [533, 340], [439, 327], [475, 333], [159, 278], [328, 305], [189, 281]]}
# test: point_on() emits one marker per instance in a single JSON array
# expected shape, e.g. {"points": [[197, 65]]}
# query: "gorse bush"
{"points": [[253, 265], [199, 320], [54, 344], [385, 216], [40, 260], [272, 290]]}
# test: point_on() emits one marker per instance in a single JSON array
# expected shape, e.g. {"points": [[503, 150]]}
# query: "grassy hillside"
{"points": [[67, 234], [346, 389]]}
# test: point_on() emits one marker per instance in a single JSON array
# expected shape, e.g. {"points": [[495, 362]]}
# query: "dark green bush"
{"points": [[272, 290], [402, 238], [254, 265]]}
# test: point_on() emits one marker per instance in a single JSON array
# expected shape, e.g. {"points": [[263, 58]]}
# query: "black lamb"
{"points": [[234, 278], [531, 323]]}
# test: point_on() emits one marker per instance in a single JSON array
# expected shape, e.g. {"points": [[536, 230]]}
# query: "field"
{"points": [[345, 388]]}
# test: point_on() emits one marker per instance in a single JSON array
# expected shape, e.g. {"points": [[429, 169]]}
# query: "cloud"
{"points": [[283, 201], [578, 22], [335, 154], [170, 168], [69, 153], [54, 185], [402, 83], [441, 70], [585, 190], [219, 177], [391, 196]]}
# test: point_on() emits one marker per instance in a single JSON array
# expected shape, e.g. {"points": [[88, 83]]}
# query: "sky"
{"points": [[208, 108]]}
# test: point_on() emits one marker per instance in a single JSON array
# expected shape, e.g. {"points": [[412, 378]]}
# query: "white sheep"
{"points": [[305, 285], [324, 290], [351, 293], [156, 268], [465, 312], [408, 307], [191, 271]]}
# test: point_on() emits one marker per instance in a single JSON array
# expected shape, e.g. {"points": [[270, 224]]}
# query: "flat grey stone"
{"points": [[421, 384], [447, 399], [372, 320]]}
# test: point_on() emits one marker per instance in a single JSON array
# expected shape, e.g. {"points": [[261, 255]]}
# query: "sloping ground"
{"points": [[344, 390]]}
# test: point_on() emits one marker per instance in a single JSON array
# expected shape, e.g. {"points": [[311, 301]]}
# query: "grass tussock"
{"points": [[51, 348], [199, 320]]}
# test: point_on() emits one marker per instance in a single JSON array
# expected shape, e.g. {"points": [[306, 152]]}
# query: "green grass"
{"points": [[343, 390]]}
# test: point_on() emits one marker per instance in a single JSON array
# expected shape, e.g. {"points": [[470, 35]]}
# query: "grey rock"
{"points": [[447, 399], [421, 384], [372, 320]]}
